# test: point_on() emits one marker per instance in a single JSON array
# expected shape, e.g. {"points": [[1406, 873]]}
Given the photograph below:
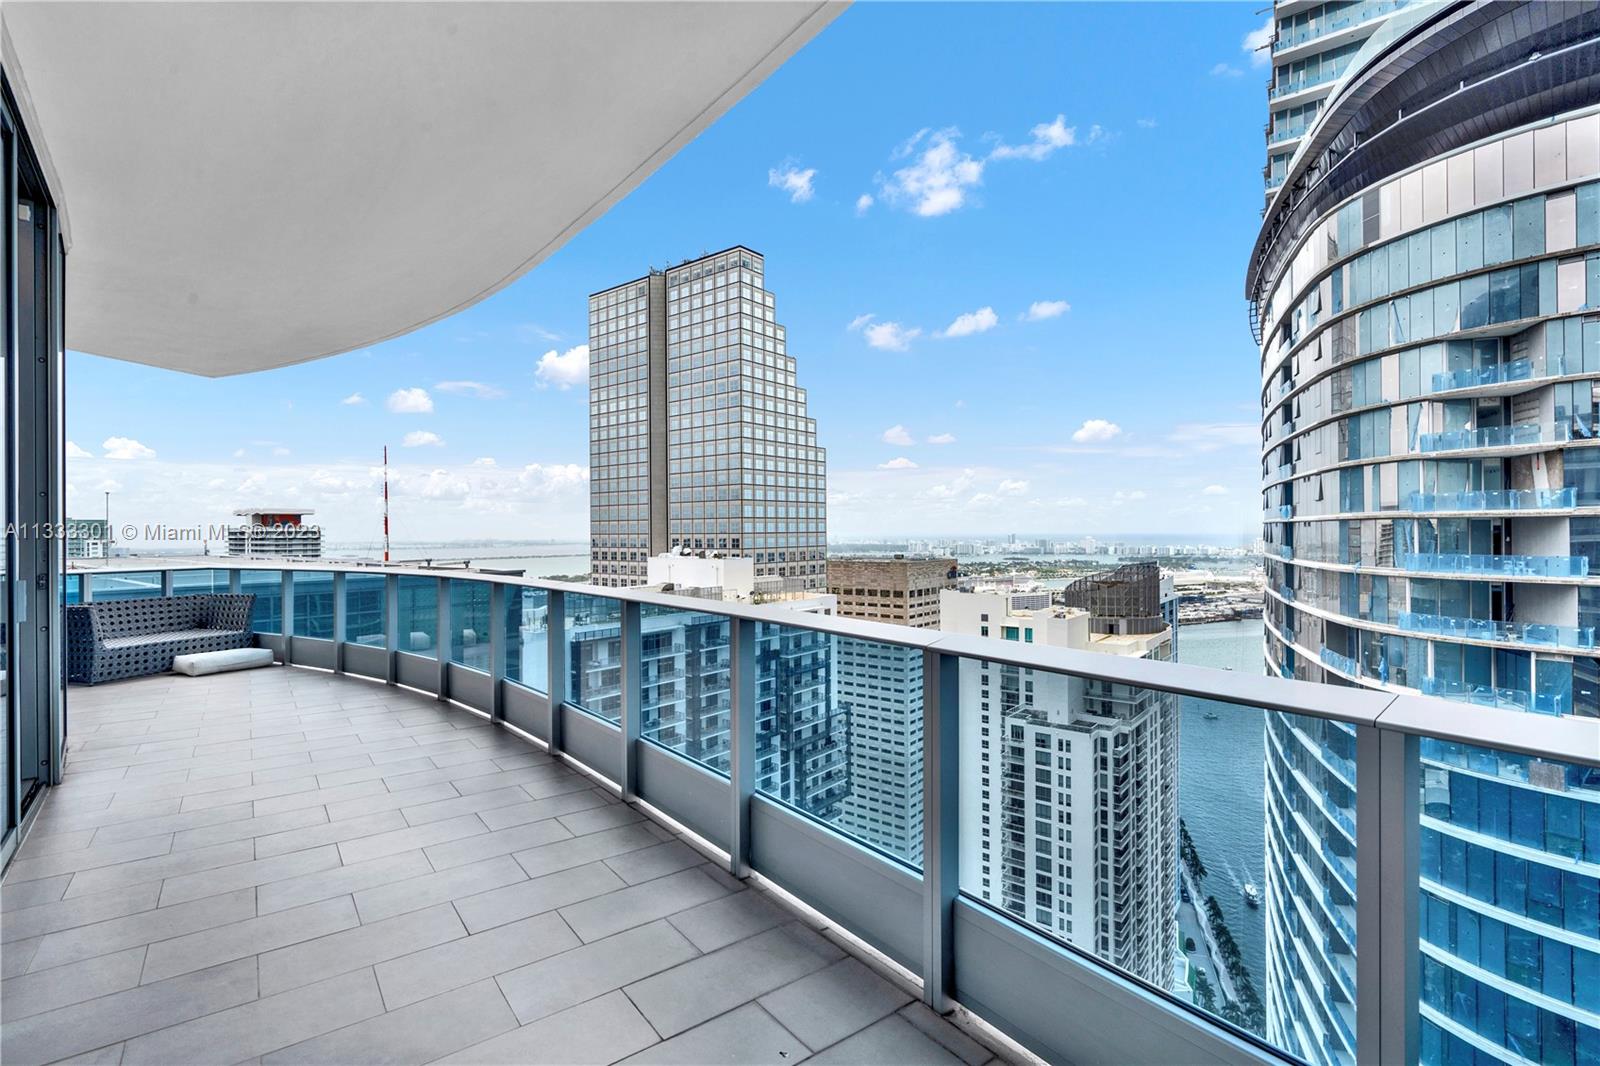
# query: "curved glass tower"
{"points": [[1426, 293]]}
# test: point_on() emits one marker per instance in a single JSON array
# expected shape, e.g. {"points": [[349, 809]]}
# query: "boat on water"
{"points": [[1211, 716], [1252, 894]]}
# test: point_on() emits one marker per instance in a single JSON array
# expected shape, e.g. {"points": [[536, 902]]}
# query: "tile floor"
{"points": [[283, 866]]}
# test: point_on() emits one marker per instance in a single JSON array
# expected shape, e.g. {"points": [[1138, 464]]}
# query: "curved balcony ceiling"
{"points": [[253, 185]]}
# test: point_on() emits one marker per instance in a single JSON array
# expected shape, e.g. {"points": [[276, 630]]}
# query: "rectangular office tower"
{"points": [[698, 432]]}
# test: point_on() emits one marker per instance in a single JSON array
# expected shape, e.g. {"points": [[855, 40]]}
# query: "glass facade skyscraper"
{"points": [[698, 432], [1424, 289]]}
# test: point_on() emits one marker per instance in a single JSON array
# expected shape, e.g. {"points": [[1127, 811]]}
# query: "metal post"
{"points": [[286, 584], [235, 582], [339, 622], [166, 583], [941, 704], [1388, 827], [555, 616], [85, 587], [741, 740], [391, 628], [632, 653], [444, 644], [498, 636]]}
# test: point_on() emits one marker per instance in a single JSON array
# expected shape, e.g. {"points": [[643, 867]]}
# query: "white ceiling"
{"points": [[249, 185]]}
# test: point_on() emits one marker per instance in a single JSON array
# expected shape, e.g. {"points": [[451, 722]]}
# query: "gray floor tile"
{"points": [[388, 801], [600, 1031], [385, 901], [127, 874], [539, 810], [451, 965], [550, 985], [265, 1025], [95, 1023], [410, 838], [892, 1041], [487, 845], [453, 808], [322, 831], [65, 985], [592, 821], [831, 1004], [596, 919], [721, 922], [415, 1034], [747, 1036], [110, 1055], [362, 946], [318, 797], [25, 894], [31, 869], [252, 936], [145, 927], [244, 874], [704, 988], [484, 910], [579, 851], [15, 957], [340, 881], [946, 1034], [650, 863], [249, 826], [71, 913]]}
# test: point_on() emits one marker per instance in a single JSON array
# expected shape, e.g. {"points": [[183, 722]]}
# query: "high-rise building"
{"points": [[88, 538], [1423, 289], [274, 534], [698, 431], [1071, 802], [881, 687]]}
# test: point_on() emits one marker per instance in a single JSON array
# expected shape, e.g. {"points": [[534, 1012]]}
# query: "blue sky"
{"points": [[1062, 200]]}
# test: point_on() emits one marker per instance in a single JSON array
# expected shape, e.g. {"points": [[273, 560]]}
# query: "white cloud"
{"points": [[410, 402], [75, 452], [891, 336], [864, 203], [1096, 431], [355, 399], [979, 321], [472, 388], [897, 435], [859, 321], [1146, 123], [794, 181], [1258, 42], [1214, 490], [1226, 70], [940, 178], [1119, 497], [1012, 487], [901, 463], [531, 332], [942, 438], [1040, 310], [1047, 137], [1210, 436], [419, 438], [126, 448], [564, 369], [484, 461]]}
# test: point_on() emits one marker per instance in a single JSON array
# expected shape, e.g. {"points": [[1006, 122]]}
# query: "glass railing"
{"points": [[1290, 86], [1508, 565], [1516, 370], [1494, 500], [1509, 632], [660, 694], [1494, 437], [1288, 133], [1285, 551], [1342, 19], [1492, 696]]}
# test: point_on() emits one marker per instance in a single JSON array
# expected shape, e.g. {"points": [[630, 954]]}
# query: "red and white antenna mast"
{"points": [[385, 503]]}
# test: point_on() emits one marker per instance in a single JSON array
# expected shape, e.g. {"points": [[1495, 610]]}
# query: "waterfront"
{"points": [[1220, 783]]}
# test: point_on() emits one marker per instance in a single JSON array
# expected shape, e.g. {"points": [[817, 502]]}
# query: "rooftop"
{"points": [[311, 868]]}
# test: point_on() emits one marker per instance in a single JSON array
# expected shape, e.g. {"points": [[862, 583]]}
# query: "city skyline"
{"points": [[918, 404]]}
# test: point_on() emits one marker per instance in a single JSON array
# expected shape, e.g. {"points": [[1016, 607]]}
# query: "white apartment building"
{"points": [[1069, 787]]}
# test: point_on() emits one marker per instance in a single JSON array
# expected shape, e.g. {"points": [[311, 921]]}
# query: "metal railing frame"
{"points": [[1388, 729]]}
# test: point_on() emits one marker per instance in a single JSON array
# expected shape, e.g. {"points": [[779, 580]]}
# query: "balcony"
{"points": [[306, 863], [1494, 500], [1534, 633], [1512, 566], [1495, 437], [1343, 19]]}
